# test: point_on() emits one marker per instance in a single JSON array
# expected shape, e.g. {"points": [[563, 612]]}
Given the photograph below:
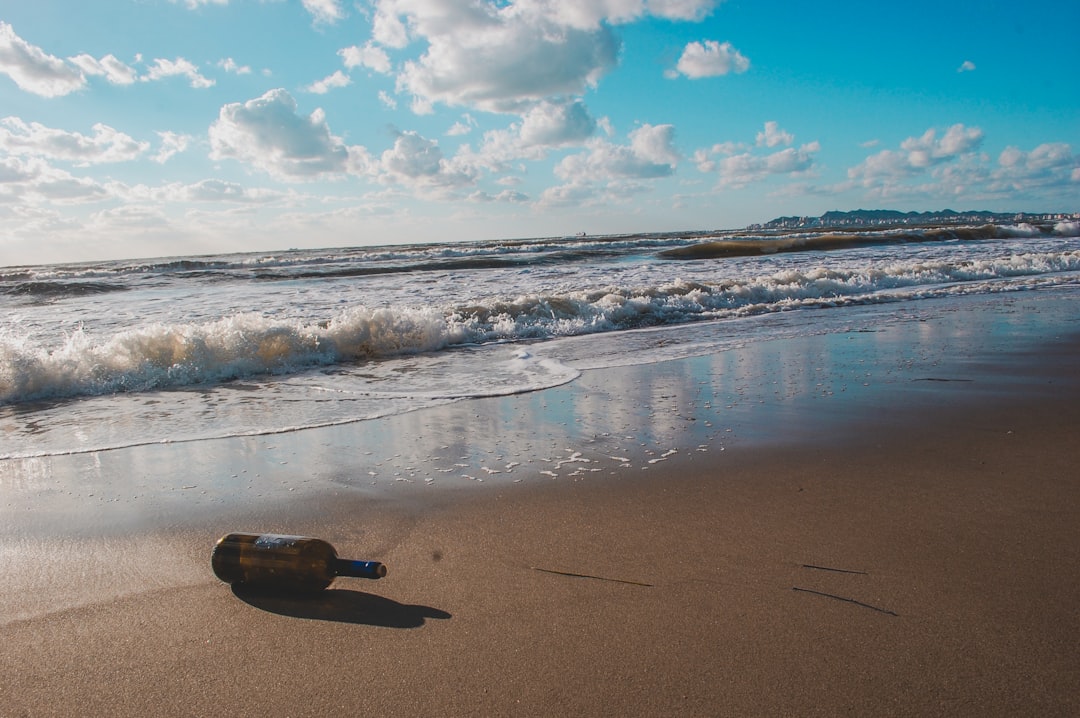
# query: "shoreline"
{"points": [[888, 528]]}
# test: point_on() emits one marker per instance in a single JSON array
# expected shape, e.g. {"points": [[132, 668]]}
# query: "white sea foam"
{"points": [[163, 355]]}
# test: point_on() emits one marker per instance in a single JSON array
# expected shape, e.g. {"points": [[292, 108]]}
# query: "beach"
{"points": [[864, 523]]}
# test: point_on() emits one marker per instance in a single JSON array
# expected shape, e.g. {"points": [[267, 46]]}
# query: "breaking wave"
{"points": [[178, 355]]}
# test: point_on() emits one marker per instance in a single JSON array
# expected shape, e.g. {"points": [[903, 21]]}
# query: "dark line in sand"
{"points": [[585, 575], [848, 600], [934, 378], [837, 570]]}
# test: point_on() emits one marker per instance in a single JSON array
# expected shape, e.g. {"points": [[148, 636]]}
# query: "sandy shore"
{"points": [[865, 524]]}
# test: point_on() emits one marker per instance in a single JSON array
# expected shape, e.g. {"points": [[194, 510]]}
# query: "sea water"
{"points": [[98, 356]]}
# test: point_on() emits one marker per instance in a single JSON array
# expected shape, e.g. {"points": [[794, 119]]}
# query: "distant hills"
{"points": [[880, 217]]}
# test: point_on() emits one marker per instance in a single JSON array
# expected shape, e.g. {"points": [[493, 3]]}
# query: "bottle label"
{"points": [[276, 541]]}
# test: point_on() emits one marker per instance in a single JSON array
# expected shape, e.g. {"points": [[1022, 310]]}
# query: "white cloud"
{"points": [[547, 125], [230, 65], [572, 194], [507, 196], [418, 162], [930, 167], [500, 57], [709, 59], [743, 169], [324, 11], [508, 66], [209, 190], [369, 55], [655, 144], [772, 135], [1049, 164], [387, 99], [967, 66], [554, 124], [33, 181], [413, 156], [458, 129], [338, 79], [14, 170], [163, 68], [192, 4], [739, 165], [591, 15], [705, 160], [650, 155], [387, 28], [270, 135], [509, 55], [109, 66], [917, 154], [171, 144], [34, 139], [927, 150], [33, 70]]}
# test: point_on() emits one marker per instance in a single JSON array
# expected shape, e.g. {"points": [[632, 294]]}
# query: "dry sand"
{"points": [[867, 524]]}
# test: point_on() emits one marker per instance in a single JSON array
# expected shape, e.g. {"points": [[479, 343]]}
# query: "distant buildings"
{"points": [[887, 217]]}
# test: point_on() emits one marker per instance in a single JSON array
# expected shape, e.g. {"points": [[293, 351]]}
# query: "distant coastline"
{"points": [[888, 217]]}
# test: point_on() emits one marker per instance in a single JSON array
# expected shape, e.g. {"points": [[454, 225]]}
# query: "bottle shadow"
{"points": [[341, 605]]}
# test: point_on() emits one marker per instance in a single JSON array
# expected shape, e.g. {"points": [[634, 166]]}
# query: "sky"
{"points": [[152, 128]]}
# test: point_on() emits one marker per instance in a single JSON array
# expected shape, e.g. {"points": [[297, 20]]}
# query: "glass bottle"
{"points": [[284, 563]]}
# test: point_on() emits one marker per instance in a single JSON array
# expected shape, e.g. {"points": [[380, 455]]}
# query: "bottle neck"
{"points": [[359, 569]]}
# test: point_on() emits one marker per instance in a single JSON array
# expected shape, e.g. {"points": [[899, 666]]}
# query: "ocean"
{"points": [[98, 356]]}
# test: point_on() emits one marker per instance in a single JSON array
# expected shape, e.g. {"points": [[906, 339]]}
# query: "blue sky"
{"points": [[138, 128]]}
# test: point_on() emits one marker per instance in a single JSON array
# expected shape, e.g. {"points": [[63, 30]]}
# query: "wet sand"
{"points": [[866, 524]]}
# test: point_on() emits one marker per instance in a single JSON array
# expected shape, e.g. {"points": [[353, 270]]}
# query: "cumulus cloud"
{"points": [[32, 180], [651, 154], [34, 139], [547, 125], [743, 169], [419, 163], [507, 196], [192, 4], [324, 11], [369, 55], [590, 15], [270, 135], [571, 194], [461, 127], [163, 68], [109, 67], [1049, 164], [387, 99], [772, 135], [612, 172], [338, 79], [554, 124], [917, 154], [171, 144], [928, 149], [504, 56], [33, 70], [709, 59], [933, 166], [739, 164], [966, 66], [212, 191], [505, 64], [230, 65]]}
